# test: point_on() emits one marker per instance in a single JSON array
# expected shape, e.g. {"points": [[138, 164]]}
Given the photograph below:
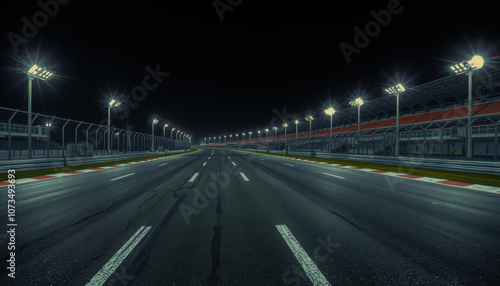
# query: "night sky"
{"points": [[229, 75]]}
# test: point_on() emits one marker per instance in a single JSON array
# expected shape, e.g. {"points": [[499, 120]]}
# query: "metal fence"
{"points": [[53, 136]]}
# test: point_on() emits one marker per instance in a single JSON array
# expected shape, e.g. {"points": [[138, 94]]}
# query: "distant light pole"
{"points": [[112, 103], [296, 131], [220, 137], [468, 67], [267, 131], [275, 129], [164, 126], [330, 111], [173, 131], [258, 134], [230, 137], [310, 119], [47, 132], [250, 135], [118, 145], [285, 125], [358, 102], [225, 139], [152, 134], [42, 74], [177, 133], [396, 90], [243, 134]]}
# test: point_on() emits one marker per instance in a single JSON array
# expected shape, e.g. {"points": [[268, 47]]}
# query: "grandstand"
{"points": [[433, 117]]}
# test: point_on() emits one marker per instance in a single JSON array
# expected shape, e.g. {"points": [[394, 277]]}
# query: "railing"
{"points": [[49, 163], [450, 165]]}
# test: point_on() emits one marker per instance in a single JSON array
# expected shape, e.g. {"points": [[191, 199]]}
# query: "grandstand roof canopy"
{"points": [[447, 92]]}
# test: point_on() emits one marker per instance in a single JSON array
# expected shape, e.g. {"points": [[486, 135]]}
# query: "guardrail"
{"points": [[449, 165], [48, 163]]}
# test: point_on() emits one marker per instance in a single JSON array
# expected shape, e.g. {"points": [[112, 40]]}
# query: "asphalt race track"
{"points": [[225, 217]]}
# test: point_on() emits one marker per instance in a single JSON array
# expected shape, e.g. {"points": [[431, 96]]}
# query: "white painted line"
{"points": [[86, 170], [193, 177], [229, 157], [289, 164], [204, 164], [489, 189], [209, 158], [122, 176], [333, 176], [305, 261], [109, 268], [244, 177], [233, 164], [162, 165], [262, 159]]}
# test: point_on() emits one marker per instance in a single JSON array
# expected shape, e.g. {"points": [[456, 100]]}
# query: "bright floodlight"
{"points": [[155, 121], [475, 63], [357, 102], [267, 130], [309, 118], [285, 125], [114, 103], [399, 88], [275, 128], [296, 122], [39, 72], [250, 132], [330, 111], [48, 124], [166, 125]]}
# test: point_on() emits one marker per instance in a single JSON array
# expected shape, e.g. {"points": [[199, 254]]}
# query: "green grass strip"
{"points": [[473, 178]]}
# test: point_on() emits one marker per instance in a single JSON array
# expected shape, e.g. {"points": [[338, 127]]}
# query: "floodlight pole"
{"points": [[296, 132], [359, 123], [331, 131], [109, 127], [285, 136], [30, 85], [153, 136], [469, 131], [397, 124], [310, 134]]}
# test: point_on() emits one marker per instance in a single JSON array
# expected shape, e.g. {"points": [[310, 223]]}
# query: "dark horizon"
{"points": [[228, 76]]}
